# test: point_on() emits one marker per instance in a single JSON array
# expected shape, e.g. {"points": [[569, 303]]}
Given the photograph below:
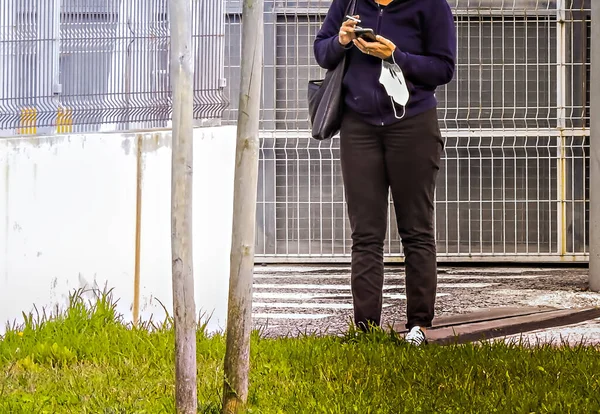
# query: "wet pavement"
{"points": [[289, 300]]}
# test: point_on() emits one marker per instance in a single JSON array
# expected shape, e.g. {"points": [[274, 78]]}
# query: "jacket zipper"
{"points": [[379, 18]]}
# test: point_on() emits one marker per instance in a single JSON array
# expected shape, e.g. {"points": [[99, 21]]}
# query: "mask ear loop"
{"points": [[395, 113]]}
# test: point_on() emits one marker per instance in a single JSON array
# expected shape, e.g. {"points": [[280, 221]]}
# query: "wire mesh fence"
{"points": [[86, 65], [514, 179], [515, 173]]}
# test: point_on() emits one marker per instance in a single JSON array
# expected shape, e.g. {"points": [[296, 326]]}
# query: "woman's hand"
{"points": [[382, 49], [346, 34]]}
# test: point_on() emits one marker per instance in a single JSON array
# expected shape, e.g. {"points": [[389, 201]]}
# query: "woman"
{"points": [[385, 145]]}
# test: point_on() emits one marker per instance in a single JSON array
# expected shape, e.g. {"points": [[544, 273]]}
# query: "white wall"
{"points": [[68, 220]]}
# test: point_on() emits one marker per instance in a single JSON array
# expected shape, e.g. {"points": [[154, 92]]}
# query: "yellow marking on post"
{"points": [[64, 121], [28, 122], [563, 206]]}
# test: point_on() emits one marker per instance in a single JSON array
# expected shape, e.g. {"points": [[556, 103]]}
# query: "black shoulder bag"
{"points": [[325, 98]]}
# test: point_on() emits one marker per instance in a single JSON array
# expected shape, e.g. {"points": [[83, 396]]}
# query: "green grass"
{"points": [[86, 360]]}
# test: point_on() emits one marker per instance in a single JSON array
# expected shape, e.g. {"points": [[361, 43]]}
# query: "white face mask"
{"points": [[393, 81]]}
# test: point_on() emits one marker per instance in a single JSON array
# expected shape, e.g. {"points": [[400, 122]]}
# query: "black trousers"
{"points": [[405, 157]]}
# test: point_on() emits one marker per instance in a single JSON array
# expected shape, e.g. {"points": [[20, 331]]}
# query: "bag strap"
{"points": [[351, 9]]}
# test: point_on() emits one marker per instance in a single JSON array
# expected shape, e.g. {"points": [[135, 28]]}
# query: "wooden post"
{"points": [[138, 231], [595, 151], [184, 308], [239, 316]]}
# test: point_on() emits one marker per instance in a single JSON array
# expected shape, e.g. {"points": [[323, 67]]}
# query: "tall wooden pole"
{"points": [[184, 308], [239, 317]]}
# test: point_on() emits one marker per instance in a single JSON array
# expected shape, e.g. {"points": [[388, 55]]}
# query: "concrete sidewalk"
{"points": [[317, 299]]}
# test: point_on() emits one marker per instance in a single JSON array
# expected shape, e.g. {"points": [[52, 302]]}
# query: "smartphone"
{"points": [[366, 34]]}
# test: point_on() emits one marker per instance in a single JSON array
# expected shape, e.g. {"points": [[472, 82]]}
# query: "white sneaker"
{"points": [[416, 336]]}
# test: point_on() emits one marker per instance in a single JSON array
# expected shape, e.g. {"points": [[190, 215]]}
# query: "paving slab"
{"points": [[585, 333], [291, 300], [518, 324]]}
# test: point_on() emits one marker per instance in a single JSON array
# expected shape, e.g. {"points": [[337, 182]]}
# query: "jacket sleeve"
{"points": [[437, 67], [327, 48]]}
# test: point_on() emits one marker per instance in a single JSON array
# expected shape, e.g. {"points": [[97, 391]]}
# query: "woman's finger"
{"points": [[387, 43], [383, 40], [363, 43], [355, 41], [361, 46], [349, 23]]}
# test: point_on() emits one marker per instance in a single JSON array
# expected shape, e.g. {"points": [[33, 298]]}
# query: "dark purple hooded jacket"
{"points": [[425, 37]]}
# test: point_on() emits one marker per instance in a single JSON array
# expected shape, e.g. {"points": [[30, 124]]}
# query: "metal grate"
{"points": [[514, 182], [87, 65]]}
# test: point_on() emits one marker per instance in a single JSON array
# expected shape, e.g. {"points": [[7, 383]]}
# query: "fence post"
{"points": [[184, 308], [239, 315], [595, 151]]}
